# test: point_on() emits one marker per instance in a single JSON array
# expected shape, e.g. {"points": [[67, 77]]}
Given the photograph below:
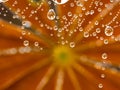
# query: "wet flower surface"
{"points": [[59, 44]]}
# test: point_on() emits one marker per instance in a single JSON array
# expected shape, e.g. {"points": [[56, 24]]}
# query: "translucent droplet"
{"points": [[102, 76], [78, 3], [72, 4], [23, 32], [3, 1], [98, 30], [55, 27], [86, 34], [72, 44], [36, 44], [26, 24], [106, 41], [69, 14], [26, 43], [92, 12], [51, 14], [100, 85], [109, 31], [104, 56], [80, 29], [62, 1]]}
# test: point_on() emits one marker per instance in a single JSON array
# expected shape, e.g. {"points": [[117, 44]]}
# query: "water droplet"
{"points": [[26, 24], [92, 12], [86, 34], [100, 85], [72, 4], [61, 1], [3, 1], [23, 32], [80, 29], [72, 44], [69, 14], [78, 3], [104, 56], [55, 27], [102, 76], [36, 44], [106, 41], [109, 31], [26, 43], [51, 14], [98, 30]]}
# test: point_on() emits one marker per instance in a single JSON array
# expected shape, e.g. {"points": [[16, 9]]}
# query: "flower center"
{"points": [[63, 55]]}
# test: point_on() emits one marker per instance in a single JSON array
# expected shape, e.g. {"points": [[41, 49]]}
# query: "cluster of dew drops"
{"points": [[52, 16]]}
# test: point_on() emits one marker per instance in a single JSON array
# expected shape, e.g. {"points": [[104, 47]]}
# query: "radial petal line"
{"points": [[46, 78], [73, 79], [60, 80]]}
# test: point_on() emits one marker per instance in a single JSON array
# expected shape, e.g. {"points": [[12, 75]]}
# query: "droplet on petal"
{"points": [[102, 75], [26, 43], [104, 56], [100, 85], [1, 1], [36, 44], [86, 34], [26, 24], [72, 44], [109, 31], [51, 14]]}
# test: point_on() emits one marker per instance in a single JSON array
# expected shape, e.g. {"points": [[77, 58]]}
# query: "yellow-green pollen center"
{"points": [[63, 55]]}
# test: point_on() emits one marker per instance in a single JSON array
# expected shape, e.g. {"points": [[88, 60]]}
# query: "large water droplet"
{"points": [[61, 1], [109, 31], [3, 1], [51, 14]]}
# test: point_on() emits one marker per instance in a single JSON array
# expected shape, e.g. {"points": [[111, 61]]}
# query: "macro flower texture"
{"points": [[59, 44]]}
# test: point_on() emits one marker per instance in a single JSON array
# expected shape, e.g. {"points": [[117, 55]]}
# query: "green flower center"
{"points": [[63, 55]]}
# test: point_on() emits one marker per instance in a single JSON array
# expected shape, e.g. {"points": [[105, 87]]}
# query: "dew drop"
{"points": [[62, 1], [3, 1], [23, 32], [72, 44], [102, 76], [26, 24], [109, 31], [80, 29], [78, 3], [36, 44], [51, 14], [86, 34], [98, 30], [106, 41], [69, 14], [26, 43], [104, 56], [100, 85]]}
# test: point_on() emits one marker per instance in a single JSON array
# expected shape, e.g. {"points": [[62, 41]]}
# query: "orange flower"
{"points": [[59, 44]]}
